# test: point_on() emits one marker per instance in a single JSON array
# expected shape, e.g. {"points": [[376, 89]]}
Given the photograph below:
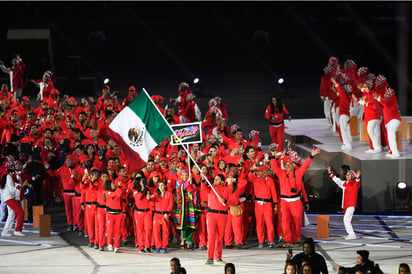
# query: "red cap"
{"points": [[71, 99], [106, 87], [180, 164], [111, 167], [132, 88], [25, 98]]}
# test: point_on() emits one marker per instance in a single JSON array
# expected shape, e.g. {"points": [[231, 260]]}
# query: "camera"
{"points": [[294, 190]]}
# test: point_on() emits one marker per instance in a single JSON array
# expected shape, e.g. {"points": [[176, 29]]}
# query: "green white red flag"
{"points": [[138, 129]]}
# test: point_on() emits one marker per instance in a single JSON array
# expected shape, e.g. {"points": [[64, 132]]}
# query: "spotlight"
{"points": [[401, 196], [401, 185], [106, 81], [281, 86], [196, 81]]}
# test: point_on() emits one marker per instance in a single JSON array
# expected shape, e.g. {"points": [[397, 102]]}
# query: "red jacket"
{"points": [[390, 109], [113, 201], [344, 101], [264, 188], [350, 191], [212, 200], [293, 180], [277, 116], [140, 200], [163, 203], [90, 191]]}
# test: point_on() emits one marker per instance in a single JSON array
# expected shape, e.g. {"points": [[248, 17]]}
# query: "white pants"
{"points": [[391, 129], [327, 110], [3, 206], [335, 116], [345, 131], [374, 132], [17, 93], [347, 220], [9, 221]]}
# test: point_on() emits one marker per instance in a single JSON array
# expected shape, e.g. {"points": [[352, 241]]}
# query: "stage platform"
{"points": [[387, 238], [379, 173]]}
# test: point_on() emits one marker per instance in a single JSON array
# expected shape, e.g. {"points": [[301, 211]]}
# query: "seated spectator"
{"points": [[404, 269], [230, 268], [363, 264], [309, 256], [174, 265], [290, 267]]}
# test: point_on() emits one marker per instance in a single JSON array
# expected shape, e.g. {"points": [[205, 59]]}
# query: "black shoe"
{"points": [[239, 246], [228, 247], [148, 250], [90, 245]]}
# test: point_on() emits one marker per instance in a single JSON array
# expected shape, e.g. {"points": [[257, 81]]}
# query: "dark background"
{"points": [[237, 49]]}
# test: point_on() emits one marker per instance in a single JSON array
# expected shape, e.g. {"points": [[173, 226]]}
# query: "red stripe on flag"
{"points": [[133, 160]]}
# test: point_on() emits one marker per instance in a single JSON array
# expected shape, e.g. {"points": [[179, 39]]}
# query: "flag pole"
{"points": [[187, 151]]}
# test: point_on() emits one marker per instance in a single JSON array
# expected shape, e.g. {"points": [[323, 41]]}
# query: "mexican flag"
{"points": [[137, 129]]}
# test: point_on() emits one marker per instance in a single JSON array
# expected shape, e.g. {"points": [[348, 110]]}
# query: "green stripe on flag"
{"points": [[151, 117]]}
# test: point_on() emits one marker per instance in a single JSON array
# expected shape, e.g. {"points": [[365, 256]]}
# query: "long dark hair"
{"points": [[137, 180], [279, 105]]}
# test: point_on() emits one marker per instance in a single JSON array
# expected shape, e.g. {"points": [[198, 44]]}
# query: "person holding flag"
{"points": [[137, 129]]}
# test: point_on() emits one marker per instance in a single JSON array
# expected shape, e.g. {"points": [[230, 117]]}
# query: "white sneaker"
{"points": [[110, 248], [392, 155], [18, 233], [369, 151], [377, 150], [116, 250], [350, 237], [6, 234]]}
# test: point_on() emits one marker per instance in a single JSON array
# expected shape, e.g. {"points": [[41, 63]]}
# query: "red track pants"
{"points": [[234, 225], [264, 217], [101, 227], [216, 223], [114, 226], [291, 220], [143, 228], [91, 216], [277, 133], [16, 207], [69, 204], [160, 230]]}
